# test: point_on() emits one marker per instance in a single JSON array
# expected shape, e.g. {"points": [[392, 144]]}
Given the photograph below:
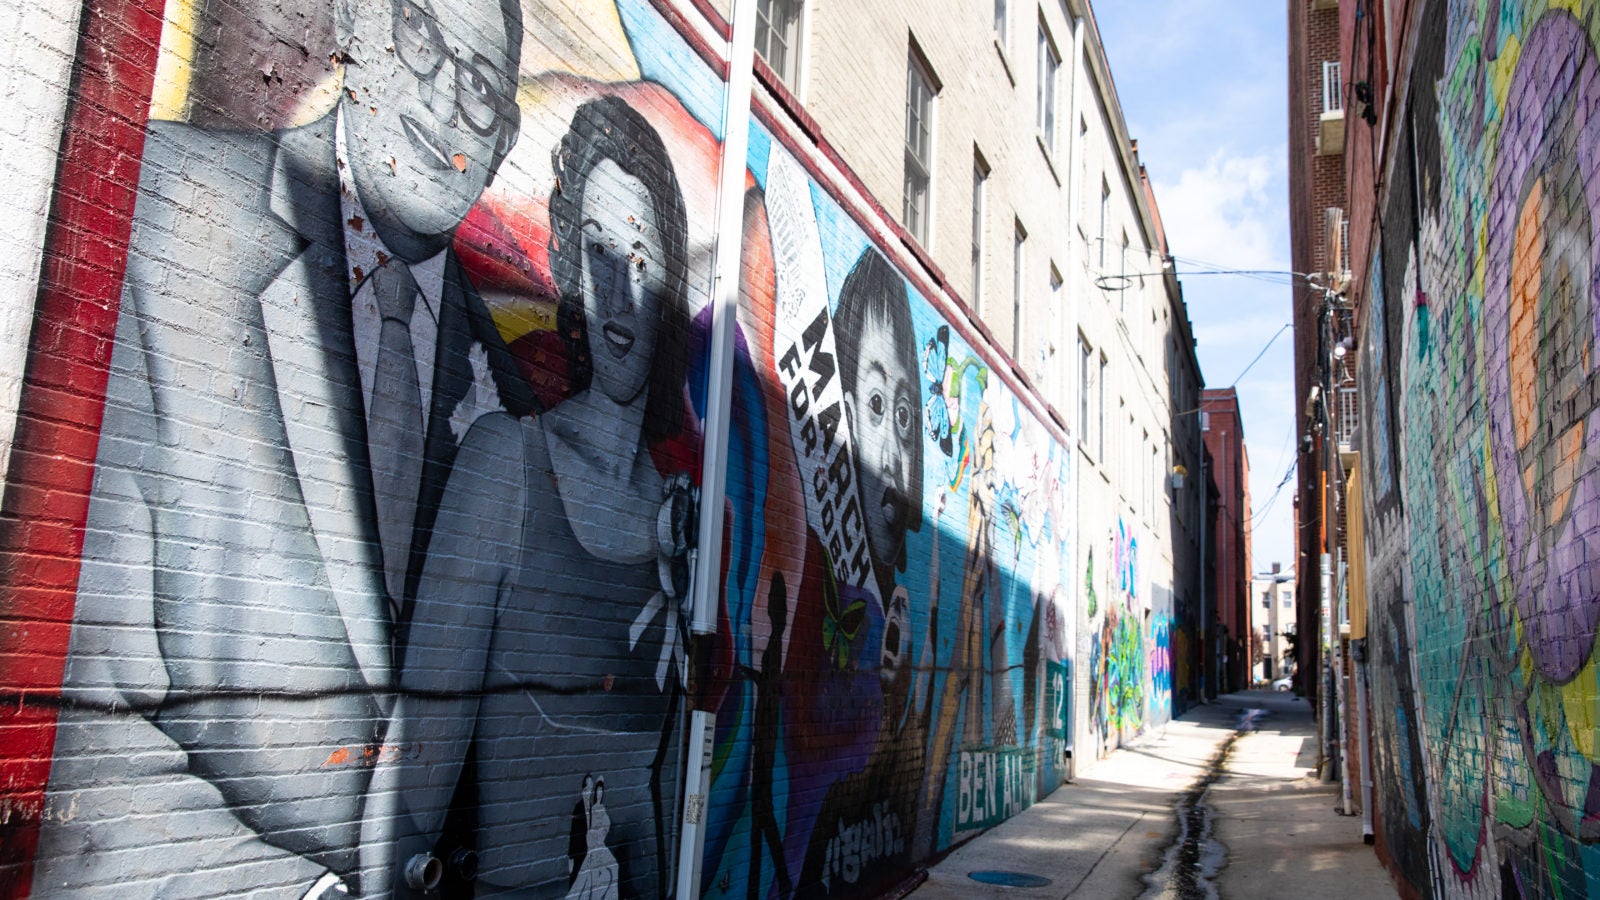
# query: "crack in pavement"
{"points": [[1191, 864]]}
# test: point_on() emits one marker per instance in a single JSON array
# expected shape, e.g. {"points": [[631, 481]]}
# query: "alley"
{"points": [[1108, 833], [713, 449]]}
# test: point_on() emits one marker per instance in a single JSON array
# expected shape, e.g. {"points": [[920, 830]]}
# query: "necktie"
{"points": [[395, 433]]}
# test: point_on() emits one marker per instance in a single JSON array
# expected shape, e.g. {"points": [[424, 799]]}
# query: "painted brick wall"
{"points": [[41, 45], [347, 539], [1478, 437]]}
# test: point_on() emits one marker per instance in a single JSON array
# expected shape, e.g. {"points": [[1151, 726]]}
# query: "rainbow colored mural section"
{"points": [[1482, 444]]}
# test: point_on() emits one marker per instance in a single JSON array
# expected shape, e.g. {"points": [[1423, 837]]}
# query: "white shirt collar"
{"points": [[364, 251]]}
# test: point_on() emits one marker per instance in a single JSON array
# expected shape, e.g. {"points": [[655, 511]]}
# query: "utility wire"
{"points": [[1119, 281], [1240, 377], [1293, 464]]}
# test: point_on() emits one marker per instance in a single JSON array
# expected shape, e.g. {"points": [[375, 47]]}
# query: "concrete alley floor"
{"points": [[1275, 831]]}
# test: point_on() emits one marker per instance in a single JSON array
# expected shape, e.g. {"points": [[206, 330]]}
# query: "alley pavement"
{"points": [[1117, 831]]}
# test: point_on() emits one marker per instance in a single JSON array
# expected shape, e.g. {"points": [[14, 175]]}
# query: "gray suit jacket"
{"points": [[234, 663]]}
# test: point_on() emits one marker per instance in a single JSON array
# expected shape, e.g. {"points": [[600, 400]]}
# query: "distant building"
{"points": [[1318, 232], [1222, 429], [1272, 615]]}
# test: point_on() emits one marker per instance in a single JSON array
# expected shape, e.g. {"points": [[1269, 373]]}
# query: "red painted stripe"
{"points": [[63, 396], [708, 54], [718, 21]]}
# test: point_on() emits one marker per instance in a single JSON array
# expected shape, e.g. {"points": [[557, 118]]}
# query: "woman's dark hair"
{"points": [[874, 290], [602, 129]]}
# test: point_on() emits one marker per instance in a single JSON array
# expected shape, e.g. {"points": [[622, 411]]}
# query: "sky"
{"points": [[1202, 85]]}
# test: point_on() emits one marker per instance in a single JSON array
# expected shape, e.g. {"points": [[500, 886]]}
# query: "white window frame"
{"points": [[1100, 410], [1105, 217], [1332, 87], [1049, 68], [921, 92], [1019, 263], [1085, 386], [980, 188], [1051, 373], [1122, 294], [783, 22]]}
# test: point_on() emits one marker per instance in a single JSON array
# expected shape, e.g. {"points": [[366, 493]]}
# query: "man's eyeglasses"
{"points": [[421, 46]]}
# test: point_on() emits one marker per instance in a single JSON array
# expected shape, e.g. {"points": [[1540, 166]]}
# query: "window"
{"points": [[1080, 175], [1119, 444], [1332, 88], [1002, 23], [1049, 65], [1085, 386], [1052, 374], [980, 178], [919, 146], [1100, 411], [1122, 293], [1154, 473], [1130, 463], [778, 38], [1137, 463], [1105, 216], [1017, 291]]}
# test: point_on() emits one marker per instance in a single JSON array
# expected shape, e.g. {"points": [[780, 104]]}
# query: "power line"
{"points": [[1293, 464], [1119, 281], [1240, 376]]}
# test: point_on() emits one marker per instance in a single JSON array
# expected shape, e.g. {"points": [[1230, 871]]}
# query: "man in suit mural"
{"points": [[310, 423]]}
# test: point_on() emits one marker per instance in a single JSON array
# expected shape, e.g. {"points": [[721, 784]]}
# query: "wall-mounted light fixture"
{"points": [[1362, 92]]}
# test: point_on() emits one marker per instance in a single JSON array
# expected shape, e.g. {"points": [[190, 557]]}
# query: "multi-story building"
{"points": [[1008, 166], [1272, 613], [1232, 641], [1317, 101]]}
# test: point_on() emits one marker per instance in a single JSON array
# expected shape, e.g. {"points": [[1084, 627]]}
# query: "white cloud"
{"points": [[1230, 212]]}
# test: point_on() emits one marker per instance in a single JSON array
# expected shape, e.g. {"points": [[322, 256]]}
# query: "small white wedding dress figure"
{"points": [[597, 876]]}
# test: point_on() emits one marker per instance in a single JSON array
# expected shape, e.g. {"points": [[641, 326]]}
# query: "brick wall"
{"points": [[347, 540], [41, 43], [1475, 367], [1315, 184]]}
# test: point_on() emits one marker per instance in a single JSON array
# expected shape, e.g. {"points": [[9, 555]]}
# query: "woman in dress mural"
{"points": [[584, 667]]}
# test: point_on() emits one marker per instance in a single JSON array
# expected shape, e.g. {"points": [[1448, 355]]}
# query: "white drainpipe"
{"points": [[719, 408]]}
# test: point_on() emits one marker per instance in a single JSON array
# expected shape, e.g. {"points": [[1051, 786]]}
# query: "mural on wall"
{"points": [[396, 481], [899, 673], [1158, 665], [1486, 327], [385, 574], [1121, 640]]}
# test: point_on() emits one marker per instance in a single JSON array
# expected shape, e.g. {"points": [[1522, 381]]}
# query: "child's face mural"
{"points": [[884, 413], [423, 120], [624, 276]]}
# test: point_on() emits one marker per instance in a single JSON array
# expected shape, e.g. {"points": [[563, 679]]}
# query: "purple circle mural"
{"points": [[1541, 295]]}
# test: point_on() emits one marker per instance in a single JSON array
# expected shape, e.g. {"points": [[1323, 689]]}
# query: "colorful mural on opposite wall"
{"points": [[387, 554], [1478, 367]]}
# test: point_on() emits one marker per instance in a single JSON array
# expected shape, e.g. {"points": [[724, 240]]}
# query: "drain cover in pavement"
{"points": [[1009, 879]]}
